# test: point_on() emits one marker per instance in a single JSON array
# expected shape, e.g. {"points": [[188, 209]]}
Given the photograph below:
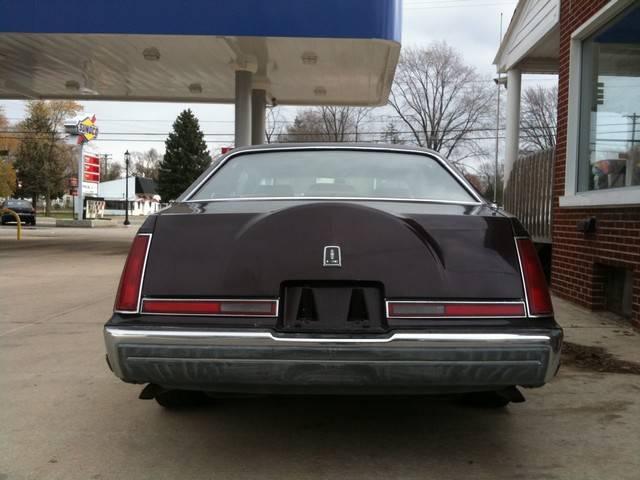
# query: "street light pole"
{"points": [[497, 164], [127, 158]]}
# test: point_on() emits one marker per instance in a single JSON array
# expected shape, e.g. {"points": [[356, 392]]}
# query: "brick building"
{"points": [[594, 48]]}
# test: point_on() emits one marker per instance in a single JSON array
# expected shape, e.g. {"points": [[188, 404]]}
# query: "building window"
{"points": [[609, 136]]}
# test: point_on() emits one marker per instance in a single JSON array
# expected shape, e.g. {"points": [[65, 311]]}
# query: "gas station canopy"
{"points": [[298, 51]]}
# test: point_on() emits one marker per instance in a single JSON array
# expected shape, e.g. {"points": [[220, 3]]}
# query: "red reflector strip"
{"points": [[484, 310], [445, 310], [224, 308], [131, 279]]}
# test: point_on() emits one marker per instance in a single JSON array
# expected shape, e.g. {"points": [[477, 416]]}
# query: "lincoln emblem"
{"points": [[332, 257]]}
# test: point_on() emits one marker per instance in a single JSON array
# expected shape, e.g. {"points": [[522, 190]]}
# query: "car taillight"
{"points": [[535, 283], [229, 308], [131, 279], [430, 309]]}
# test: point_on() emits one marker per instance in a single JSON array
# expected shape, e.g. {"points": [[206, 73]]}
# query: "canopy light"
{"points": [[151, 54], [72, 85], [309, 58]]}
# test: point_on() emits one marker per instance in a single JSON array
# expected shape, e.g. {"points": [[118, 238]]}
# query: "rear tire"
{"points": [[180, 399]]}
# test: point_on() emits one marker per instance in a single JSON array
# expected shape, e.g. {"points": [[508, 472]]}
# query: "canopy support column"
{"points": [[512, 145], [243, 108], [258, 113]]}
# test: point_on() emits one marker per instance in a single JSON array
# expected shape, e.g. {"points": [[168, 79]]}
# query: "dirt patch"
{"points": [[596, 359]]}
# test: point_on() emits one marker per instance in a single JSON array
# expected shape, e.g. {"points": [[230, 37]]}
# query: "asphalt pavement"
{"points": [[65, 416]]}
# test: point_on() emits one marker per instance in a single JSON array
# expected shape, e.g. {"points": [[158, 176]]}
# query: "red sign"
{"points": [[91, 169]]}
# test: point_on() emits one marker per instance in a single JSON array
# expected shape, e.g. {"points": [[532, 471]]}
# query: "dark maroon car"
{"points": [[350, 269]]}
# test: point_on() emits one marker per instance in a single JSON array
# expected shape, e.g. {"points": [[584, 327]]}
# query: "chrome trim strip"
{"points": [[439, 158], [524, 282], [246, 300], [125, 333], [445, 302], [350, 199], [144, 270]]}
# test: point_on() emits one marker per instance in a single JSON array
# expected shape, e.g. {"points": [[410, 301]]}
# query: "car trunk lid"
{"points": [[251, 249]]}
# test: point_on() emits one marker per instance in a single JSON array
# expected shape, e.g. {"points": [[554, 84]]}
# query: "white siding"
{"points": [[533, 21], [115, 189]]}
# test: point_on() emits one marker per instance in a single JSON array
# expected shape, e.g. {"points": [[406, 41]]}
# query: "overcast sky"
{"points": [[471, 26]]}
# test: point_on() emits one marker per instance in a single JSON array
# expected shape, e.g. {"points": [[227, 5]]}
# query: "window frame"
{"points": [[573, 197], [187, 196]]}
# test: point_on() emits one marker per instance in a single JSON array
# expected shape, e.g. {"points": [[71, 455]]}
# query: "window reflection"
{"points": [[610, 106]]}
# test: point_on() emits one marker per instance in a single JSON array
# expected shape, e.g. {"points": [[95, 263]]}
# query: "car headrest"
{"points": [[274, 191], [330, 188]]}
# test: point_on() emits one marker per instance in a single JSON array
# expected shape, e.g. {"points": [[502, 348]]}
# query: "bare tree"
{"points": [[445, 103], [274, 124], [146, 164], [328, 124], [483, 178], [306, 127], [337, 122], [538, 118], [113, 171]]}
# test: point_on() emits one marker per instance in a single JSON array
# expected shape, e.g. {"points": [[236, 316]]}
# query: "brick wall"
{"points": [[579, 261]]}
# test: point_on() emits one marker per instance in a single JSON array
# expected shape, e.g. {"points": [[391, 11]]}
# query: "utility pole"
{"points": [[127, 159], [629, 164], [105, 159], [497, 164]]}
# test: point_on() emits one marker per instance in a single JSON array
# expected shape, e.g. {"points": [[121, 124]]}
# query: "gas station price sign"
{"points": [[91, 169], [91, 174]]}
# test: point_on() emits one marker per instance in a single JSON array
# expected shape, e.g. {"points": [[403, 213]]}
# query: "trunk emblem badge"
{"points": [[332, 256]]}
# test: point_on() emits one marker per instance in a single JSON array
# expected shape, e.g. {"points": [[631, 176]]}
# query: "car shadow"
{"points": [[315, 437]]}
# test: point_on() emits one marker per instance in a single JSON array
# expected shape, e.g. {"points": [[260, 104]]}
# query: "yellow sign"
{"points": [[87, 130]]}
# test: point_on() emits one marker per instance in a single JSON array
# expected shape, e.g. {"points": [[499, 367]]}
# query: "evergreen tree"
{"points": [[391, 134], [185, 159]]}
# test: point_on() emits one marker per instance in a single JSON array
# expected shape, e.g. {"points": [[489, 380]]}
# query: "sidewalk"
{"points": [[598, 329], [117, 221]]}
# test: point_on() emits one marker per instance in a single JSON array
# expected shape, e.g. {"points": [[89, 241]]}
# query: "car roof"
{"points": [[335, 145]]}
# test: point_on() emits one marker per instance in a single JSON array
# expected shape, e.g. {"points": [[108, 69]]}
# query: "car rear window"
{"points": [[17, 204], [334, 173]]}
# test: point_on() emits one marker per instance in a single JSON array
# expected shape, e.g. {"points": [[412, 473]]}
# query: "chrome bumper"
{"points": [[265, 361]]}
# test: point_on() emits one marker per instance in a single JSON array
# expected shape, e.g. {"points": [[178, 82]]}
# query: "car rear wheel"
{"points": [[180, 399]]}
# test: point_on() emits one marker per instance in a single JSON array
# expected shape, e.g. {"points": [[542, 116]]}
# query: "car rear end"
{"points": [[23, 208], [333, 294]]}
